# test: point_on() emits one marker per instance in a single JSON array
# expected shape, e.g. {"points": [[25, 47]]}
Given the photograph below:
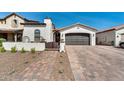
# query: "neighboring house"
{"points": [[112, 36], [21, 32], [15, 28]]}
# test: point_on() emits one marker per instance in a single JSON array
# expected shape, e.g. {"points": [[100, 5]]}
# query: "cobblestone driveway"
{"points": [[96, 63]]}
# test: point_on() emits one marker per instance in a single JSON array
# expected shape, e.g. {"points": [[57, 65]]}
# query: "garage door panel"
{"points": [[77, 39], [77, 43]]}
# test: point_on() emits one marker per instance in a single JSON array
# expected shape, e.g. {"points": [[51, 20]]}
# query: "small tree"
{"points": [[23, 50], [33, 50], [13, 50]]}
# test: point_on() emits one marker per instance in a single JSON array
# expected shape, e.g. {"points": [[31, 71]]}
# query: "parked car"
{"points": [[122, 44]]}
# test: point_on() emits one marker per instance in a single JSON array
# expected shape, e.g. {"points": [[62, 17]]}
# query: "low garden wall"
{"points": [[26, 46]]}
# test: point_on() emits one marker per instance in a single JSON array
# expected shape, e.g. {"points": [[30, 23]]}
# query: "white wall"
{"points": [[49, 30], [27, 46], [46, 31], [118, 37], [77, 29], [122, 37], [29, 31], [105, 38]]}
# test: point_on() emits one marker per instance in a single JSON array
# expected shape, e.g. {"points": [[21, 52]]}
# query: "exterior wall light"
{"points": [[93, 35]]}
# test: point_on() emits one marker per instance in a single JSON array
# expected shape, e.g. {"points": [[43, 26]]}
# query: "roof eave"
{"points": [[43, 24], [109, 30], [61, 29]]}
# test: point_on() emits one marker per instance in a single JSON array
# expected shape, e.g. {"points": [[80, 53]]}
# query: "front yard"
{"points": [[78, 63], [47, 65]]}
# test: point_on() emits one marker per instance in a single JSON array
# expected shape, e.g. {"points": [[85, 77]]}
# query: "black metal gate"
{"points": [[52, 45]]}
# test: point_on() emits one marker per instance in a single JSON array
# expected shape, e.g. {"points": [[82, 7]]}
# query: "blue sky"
{"points": [[98, 20]]}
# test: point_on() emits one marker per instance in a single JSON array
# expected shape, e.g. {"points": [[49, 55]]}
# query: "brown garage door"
{"points": [[77, 39]]}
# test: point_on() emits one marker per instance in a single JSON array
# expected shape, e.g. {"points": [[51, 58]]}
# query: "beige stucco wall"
{"points": [[2, 22], [9, 20], [105, 38]]}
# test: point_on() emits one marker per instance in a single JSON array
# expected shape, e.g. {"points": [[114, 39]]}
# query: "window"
{"points": [[37, 35], [14, 23]]}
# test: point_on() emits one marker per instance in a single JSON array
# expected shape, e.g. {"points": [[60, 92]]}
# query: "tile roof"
{"points": [[25, 19], [33, 23], [115, 28], [10, 30]]}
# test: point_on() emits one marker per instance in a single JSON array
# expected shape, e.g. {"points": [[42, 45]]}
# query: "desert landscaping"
{"points": [[80, 63], [47, 65]]}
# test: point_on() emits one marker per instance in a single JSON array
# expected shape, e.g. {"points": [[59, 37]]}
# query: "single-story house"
{"points": [[112, 36], [76, 34], [22, 32]]}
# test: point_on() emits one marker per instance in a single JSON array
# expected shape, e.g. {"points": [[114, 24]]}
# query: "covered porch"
{"points": [[11, 35]]}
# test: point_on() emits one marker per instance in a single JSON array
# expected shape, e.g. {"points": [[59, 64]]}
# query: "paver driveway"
{"points": [[96, 62], [47, 65], [39, 70]]}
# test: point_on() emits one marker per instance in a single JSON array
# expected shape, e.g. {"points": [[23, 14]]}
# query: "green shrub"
{"points": [[2, 49], [33, 50], [23, 50], [1, 44], [13, 50], [1, 41]]}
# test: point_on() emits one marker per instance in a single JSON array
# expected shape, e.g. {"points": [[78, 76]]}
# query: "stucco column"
{"points": [[62, 42], [117, 39], [93, 39], [54, 36], [15, 37]]}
